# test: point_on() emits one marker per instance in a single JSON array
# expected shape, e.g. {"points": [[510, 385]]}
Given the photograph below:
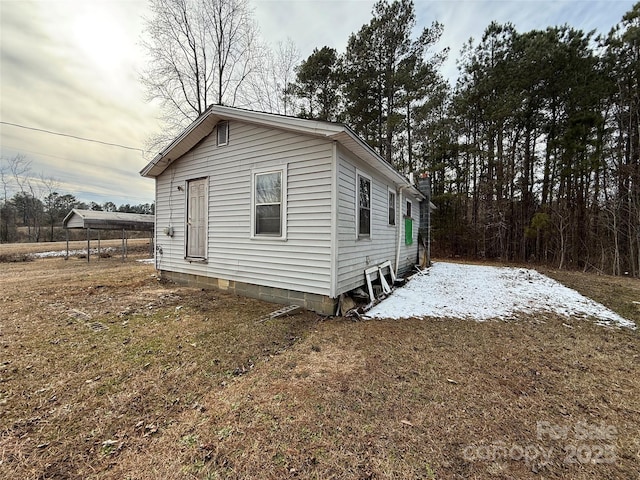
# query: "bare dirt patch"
{"points": [[184, 383]]}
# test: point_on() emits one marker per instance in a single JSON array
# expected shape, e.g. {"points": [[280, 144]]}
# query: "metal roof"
{"points": [[100, 220], [206, 122]]}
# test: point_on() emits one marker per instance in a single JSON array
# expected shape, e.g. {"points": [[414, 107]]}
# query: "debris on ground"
{"points": [[281, 312]]}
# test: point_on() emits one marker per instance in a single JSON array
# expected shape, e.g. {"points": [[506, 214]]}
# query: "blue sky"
{"points": [[72, 66]]}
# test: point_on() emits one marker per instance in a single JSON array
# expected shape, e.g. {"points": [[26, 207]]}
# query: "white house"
{"points": [[280, 208]]}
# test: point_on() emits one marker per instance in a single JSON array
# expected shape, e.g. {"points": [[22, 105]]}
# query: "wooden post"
{"points": [[98, 244], [88, 244], [123, 244], [67, 235]]}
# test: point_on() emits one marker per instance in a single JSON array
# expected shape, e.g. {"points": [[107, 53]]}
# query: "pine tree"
{"points": [[318, 85]]}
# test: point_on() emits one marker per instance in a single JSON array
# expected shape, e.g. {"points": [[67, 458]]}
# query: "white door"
{"points": [[197, 219]]}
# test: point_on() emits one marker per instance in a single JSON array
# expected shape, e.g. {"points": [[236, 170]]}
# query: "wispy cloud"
{"points": [[72, 66], [49, 81]]}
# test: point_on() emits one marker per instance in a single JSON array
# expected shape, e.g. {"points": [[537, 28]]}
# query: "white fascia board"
{"points": [[301, 125], [204, 125], [200, 128]]}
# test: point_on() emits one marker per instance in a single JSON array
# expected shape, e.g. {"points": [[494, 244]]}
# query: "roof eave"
{"points": [[374, 159], [204, 125], [163, 159], [74, 211]]}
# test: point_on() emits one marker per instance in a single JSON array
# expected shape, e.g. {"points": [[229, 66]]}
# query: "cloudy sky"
{"points": [[72, 67]]}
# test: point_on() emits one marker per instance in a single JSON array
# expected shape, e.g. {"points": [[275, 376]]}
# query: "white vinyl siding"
{"points": [[197, 219], [76, 221], [354, 255], [302, 260]]}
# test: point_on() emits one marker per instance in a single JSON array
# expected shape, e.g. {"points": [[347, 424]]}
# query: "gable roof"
{"points": [[205, 123]]}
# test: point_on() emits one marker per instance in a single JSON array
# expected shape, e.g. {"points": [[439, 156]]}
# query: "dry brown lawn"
{"points": [[108, 373]]}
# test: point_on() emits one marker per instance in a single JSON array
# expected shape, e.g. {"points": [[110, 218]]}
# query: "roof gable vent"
{"points": [[223, 133]]}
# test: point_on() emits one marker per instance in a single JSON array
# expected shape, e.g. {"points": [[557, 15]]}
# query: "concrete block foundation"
{"points": [[311, 301]]}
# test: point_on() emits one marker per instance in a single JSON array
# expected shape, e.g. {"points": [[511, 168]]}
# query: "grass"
{"points": [[184, 383], [16, 257], [23, 249]]}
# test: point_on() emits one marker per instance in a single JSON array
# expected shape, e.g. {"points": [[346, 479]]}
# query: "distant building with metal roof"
{"points": [[99, 220]]}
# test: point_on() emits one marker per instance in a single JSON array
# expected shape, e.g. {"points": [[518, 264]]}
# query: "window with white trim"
{"points": [[269, 193], [223, 133], [409, 205], [363, 206], [392, 207]]}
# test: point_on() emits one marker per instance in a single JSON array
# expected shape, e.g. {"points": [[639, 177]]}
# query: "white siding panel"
{"points": [[302, 261], [355, 255], [75, 221]]}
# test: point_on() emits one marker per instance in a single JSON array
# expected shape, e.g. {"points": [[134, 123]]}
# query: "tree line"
{"points": [[533, 154], [32, 209]]}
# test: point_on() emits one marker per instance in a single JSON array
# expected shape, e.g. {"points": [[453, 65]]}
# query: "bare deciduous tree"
{"points": [[17, 178], [8, 167], [200, 52], [14, 174], [268, 91]]}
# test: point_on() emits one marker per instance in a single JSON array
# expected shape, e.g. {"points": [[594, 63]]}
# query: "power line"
{"points": [[72, 136]]}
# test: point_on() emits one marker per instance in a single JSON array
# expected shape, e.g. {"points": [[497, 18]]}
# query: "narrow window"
{"points": [[364, 206], [408, 208], [223, 133], [196, 218], [268, 204], [392, 208]]}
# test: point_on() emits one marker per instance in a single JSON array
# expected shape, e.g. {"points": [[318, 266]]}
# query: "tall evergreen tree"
{"points": [[623, 56], [318, 85], [384, 65]]}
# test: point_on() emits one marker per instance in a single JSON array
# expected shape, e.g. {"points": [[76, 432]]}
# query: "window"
{"points": [[364, 206], [196, 228], [392, 207], [408, 225], [223, 133], [269, 203]]}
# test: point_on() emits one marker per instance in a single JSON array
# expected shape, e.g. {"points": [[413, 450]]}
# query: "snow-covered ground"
{"points": [[481, 293], [62, 253], [72, 253]]}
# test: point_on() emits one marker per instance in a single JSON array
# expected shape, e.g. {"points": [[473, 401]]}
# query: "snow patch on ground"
{"points": [[73, 253], [480, 293], [63, 253]]}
